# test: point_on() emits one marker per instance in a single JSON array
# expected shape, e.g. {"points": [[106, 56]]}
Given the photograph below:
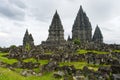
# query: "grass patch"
{"points": [[83, 51], [2, 54], [99, 52], [6, 74], [6, 60], [80, 65], [48, 53], [46, 76], [42, 62], [77, 65], [18, 70], [116, 50], [30, 60]]}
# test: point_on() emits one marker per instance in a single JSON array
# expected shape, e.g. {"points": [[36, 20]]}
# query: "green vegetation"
{"points": [[82, 51], [76, 41], [13, 46], [42, 62], [99, 52], [18, 70], [48, 52], [45, 76], [6, 60], [116, 50], [79, 65], [7, 74], [27, 47], [30, 60], [2, 54]]}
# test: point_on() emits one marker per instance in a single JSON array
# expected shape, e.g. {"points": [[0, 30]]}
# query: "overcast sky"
{"points": [[35, 15]]}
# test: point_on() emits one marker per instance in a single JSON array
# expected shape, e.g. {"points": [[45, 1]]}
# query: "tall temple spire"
{"points": [[79, 19], [31, 37], [56, 32], [82, 27], [26, 36], [26, 31], [56, 13], [98, 37], [56, 22], [80, 12]]}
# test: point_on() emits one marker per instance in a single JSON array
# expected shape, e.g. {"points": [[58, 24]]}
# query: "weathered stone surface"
{"points": [[28, 39], [56, 33], [27, 73], [51, 66], [82, 29], [98, 37]]}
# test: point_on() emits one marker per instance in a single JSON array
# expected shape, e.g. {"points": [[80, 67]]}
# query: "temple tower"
{"points": [[28, 39], [97, 37], [82, 29], [56, 32]]}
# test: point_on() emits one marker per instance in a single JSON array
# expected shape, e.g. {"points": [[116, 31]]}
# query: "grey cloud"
{"points": [[10, 11], [43, 10], [18, 3], [17, 24], [100, 10], [107, 29]]}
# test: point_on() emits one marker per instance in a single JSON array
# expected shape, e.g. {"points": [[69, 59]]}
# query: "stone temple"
{"points": [[97, 37], [56, 32], [81, 30], [28, 39]]}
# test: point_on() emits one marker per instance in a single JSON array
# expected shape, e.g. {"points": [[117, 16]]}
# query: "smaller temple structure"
{"points": [[28, 39], [97, 37]]}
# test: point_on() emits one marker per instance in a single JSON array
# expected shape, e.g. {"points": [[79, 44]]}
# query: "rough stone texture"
{"points": [[98, 37], [82, 27], [56, 32], [28, 39]]}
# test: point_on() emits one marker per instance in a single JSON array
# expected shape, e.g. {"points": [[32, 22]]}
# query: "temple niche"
{"points": [[56, 33]]}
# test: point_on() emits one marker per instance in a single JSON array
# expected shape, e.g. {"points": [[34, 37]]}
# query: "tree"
{"points": [[77, 41], [12, 46]]}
